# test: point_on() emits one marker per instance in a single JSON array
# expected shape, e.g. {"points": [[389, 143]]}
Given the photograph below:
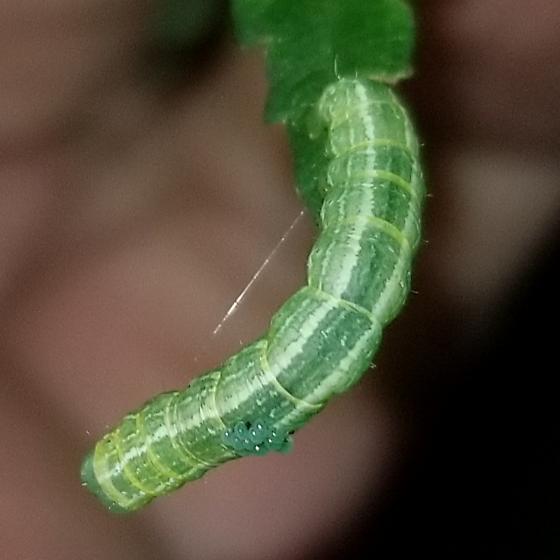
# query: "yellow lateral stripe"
{"points": [[133, 479], [282, 390], [216, 403], [179, 448], [374, 144], [342, 302], [106, 483], [388, 176], [154, 459], [381, 225], [358, 111]]}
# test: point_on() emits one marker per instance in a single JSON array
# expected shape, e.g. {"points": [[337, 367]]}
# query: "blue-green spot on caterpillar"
{"points": [[320, 342], [256, 438]]}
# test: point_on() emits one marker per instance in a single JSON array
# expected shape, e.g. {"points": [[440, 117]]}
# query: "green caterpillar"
{"points": [[320, 341]]}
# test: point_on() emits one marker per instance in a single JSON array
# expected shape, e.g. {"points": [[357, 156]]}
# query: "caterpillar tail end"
{"points": [[89, 481]]}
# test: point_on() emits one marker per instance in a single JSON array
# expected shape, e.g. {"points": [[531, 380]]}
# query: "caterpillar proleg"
{"points": [[319, 342]]}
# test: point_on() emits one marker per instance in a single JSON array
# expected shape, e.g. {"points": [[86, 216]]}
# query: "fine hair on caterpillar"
{"points": [[320, 341]]}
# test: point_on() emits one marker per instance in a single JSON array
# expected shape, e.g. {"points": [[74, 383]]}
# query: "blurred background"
{"points": [[140, 191]]}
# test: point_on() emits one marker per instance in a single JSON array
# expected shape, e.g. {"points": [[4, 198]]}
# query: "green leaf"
{"points": [[310, 43]]}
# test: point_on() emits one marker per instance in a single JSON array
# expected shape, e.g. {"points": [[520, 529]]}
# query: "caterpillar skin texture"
{"points": [[256, 438], [320, 341]]}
